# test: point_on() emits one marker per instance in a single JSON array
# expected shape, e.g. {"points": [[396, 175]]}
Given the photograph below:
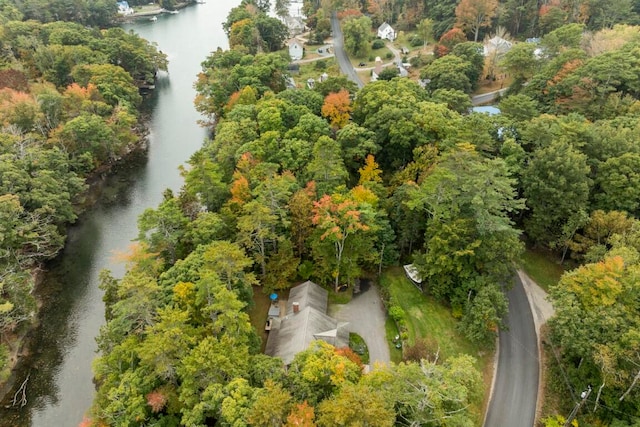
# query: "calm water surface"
{"points": [[60, 387]]}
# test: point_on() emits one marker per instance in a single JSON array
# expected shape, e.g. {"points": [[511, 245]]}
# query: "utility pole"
{"points": [[584, 395]]}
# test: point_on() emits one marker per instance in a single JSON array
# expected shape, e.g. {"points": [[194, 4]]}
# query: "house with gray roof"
{"points": [[306, 321]]}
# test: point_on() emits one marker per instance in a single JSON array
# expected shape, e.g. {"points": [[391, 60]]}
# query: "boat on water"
{"points": [[200, 1], [153, 19], [174, 12]]}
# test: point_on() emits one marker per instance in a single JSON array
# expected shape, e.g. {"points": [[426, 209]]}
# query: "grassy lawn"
{"points": [[391, 331], [310, 70], [425, 317], [542, 267], [428, 318], [258, 314]]}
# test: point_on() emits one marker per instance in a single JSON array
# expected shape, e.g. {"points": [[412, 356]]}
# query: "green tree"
{"points": [[327, 167], [596, 324], [319, 371], [556, 186], [467, 237], [448, 72], [617, 184], [163, 229], [115, 85], [430, 392], [520, 62], [519, 107], [357, 36], [271, 406], [356, 405]]}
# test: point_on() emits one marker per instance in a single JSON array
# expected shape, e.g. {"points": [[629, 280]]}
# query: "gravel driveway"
{"points": [[366, 316]]}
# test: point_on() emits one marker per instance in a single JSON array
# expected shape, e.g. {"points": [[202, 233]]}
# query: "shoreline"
{"points": [[21, 343], [152, 12]]}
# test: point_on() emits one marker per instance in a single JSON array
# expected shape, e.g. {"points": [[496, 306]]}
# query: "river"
{"points": [[60, 388]]}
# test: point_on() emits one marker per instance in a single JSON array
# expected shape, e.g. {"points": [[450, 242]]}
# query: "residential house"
{"points": [[496, 45], [385, 31], [296, 49], [124, 8], [305, 322], [376, 70]]}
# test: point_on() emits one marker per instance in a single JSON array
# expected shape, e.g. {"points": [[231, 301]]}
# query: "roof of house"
{"points": [[308, 294], [294, 42], [497, 44], [384, 27], [293, 333]]}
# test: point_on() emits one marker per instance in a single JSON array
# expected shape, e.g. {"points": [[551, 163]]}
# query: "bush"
{"points": [[389, 55], [416, 41], [305, 270], [420, 60], [396, 312], [423, 349], [377, 44], [320, 65]]}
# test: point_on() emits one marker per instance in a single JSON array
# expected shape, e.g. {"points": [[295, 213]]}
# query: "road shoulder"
{"points": [[542, 310]]}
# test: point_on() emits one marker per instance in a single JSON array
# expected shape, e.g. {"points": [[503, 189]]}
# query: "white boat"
{"points": [[174, 12], [200, 1], [153, 19]]}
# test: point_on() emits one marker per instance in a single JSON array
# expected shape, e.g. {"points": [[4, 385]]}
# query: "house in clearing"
{"points": [[385, 31], [306, 321], [296, 49], [496, 45]]}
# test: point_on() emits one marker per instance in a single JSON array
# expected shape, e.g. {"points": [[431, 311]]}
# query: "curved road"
{"points": [[515, 391], [341, 55]]}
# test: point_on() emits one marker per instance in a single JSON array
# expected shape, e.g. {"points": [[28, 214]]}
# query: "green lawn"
{"points": [[391, 331], [425, 317], [310, 70], [542, 267], [258, 313]]}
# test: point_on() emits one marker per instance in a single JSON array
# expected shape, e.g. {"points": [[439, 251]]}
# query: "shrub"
{"points": [[389, 55], [423, 349], [396, 312], [416, 41], [320, 65], [377, 44]]}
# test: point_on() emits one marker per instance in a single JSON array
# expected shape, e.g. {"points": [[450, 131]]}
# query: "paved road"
{"points": [[341, 55], [366, 317], [515, 391], [486, 98]]}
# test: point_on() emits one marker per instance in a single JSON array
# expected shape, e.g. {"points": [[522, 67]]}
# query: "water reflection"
{"points": [[60, 387]]}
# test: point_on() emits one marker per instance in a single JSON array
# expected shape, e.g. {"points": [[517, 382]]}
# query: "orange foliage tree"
{"points": [[301, 415], [337, 108], [339, 219]]}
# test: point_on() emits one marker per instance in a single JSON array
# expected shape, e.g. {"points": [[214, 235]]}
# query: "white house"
{"points": [[124, 8], [296, 49], [385, 31]]}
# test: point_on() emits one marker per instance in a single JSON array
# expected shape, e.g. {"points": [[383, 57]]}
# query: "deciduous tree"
{"points": [[472, 15]]}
